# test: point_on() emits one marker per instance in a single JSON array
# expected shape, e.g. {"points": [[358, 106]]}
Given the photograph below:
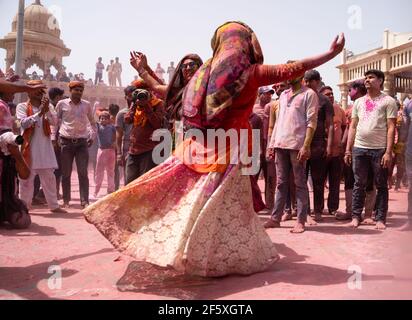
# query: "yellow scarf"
{"points": [[140, 118]]}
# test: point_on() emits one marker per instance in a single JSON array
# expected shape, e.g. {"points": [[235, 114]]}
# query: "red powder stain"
{"points": [[370, 106]]}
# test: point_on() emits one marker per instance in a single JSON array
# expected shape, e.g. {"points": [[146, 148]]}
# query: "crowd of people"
{"points": [[114, 72], [306, 138], [60, 76], [113, 69], [357, 145]]}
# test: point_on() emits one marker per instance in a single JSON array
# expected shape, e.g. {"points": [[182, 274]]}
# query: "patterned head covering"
{"points": [[221, 79]]}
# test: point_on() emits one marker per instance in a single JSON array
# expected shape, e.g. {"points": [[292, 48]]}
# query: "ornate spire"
{"points": [[37, 2]]}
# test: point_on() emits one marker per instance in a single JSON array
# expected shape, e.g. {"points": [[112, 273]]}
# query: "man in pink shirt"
{"points": [[77, 130], [291, 140]]}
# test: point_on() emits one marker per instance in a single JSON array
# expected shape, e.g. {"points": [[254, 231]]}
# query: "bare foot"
{"points": [[286, 217], [299, 228], [311, 222], [369, 222], [380, 225], [355, 223]]}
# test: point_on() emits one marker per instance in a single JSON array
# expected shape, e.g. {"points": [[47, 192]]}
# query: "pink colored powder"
{"points": [[370, 106]]}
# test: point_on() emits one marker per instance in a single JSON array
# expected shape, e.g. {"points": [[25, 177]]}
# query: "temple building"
{"points": [[42, 46], [394, 58]]}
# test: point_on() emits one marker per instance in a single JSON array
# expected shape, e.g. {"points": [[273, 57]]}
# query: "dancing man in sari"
{"points": [[198, 218]]}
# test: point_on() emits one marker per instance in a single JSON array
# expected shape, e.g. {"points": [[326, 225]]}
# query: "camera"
{"points": [[141, 95]]}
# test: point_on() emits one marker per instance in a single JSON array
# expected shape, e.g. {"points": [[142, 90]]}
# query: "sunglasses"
{"points": [[191, 65]]}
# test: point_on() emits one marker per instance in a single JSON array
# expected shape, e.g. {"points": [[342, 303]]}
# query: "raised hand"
{"points": [[45, 104], [144, 59], [338, 44], [138, 60], [312, 62], [134, 60]]}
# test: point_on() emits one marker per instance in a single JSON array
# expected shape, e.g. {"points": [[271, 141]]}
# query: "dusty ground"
{"points": [[314, 265]]}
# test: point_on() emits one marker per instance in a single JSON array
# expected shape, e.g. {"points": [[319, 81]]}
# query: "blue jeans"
{"points": [[317, 165], [409, 174], [334, 173], [138, 165], [291, 205], [286, 161], [74, 150], [363, 160]]}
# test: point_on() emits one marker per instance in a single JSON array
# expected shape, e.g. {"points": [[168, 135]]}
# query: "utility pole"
{"points": [[19, 40]]}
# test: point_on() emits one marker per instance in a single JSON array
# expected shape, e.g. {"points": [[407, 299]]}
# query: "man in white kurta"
{"points": [[42, 157]]}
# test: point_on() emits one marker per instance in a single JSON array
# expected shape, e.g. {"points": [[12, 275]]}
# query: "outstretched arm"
{"points": [[9, 87], [268, 74], [139, 62]]}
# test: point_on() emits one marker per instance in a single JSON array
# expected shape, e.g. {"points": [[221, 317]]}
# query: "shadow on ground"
{"points": [[34, 230], [23, 281], [149, 279], [49, 215]]}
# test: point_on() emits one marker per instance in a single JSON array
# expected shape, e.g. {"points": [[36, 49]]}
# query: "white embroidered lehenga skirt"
{"points": [[199, 224]]}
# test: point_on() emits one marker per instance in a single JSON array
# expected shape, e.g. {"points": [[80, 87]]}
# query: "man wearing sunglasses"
{"points": [[173, 92]]}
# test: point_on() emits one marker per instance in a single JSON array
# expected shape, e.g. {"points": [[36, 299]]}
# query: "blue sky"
{"points": [[167, 30]]}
